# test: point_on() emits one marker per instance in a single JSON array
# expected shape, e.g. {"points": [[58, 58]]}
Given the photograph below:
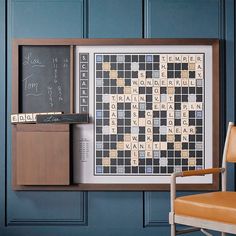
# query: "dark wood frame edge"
{"points": [[121, 187]]}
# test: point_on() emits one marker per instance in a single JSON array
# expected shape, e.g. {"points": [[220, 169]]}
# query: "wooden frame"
{"points": [[82, 42]]}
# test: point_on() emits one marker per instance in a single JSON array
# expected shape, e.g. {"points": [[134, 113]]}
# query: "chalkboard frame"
{"points": [[92, 42], [17, 44]]}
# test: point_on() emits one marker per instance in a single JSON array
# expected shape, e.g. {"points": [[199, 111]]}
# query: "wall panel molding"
{"points": [[149, 221], [81, 221]]}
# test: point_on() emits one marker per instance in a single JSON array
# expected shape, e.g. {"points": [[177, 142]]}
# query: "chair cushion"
{"points": [[216, 206]]}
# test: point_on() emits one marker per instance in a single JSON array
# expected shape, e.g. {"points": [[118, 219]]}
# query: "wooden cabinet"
{"points": [[41, 154]]}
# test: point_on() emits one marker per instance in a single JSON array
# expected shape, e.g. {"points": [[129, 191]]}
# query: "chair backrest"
{"points": [[231, 145]]}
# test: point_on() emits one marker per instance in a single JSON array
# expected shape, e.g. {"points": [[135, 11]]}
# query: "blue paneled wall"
{"points": [[102, 213]]}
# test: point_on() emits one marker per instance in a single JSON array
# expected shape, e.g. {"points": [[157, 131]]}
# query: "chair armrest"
{"points": [[189, 173], [201, 172]]}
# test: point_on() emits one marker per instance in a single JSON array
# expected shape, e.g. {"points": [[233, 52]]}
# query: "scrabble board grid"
{"points": [[132, 134]]}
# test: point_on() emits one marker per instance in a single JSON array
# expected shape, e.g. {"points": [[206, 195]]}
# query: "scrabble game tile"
{"points": [[170, 82], [184, 122], [171, 58], [156, 106], [199, 66], [134, 122], [21, 117], [120, 98], [148, 138], [170, 129], [170, 122], [184, 59], [178, 82], [184, 138], [134, 161], [148, 153], [113, 129], [113, 122], [163, 106], [149, 82], [156, 82], [192, 130], [148, 130], [184, 114], [192, 58], [135, 98], [142, 98], [163, 58], [127, 145], [14, 118], [178, 130], [170, 114], [199, 74], [113, 106], [177, 58], [134, 146], [149, 146], [156, 146], [199, 58], [128, 98], [142, 145], [141, 74], [192, 82], [199, 106], [185, 82]]}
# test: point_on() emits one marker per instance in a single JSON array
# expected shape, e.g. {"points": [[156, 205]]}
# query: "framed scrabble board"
{"points": [[153, 107]]}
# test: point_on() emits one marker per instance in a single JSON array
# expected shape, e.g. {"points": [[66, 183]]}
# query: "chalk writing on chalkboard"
{"points": [[45, 78]]}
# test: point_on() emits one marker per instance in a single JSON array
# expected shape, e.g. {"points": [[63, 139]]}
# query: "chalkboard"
{"points": [[44, 84]]}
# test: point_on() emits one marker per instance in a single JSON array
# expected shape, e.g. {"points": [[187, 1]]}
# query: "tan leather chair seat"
{"points": [[216, 206]]}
